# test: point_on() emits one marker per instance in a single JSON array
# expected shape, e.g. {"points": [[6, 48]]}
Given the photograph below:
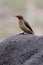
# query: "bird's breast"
{"points": [[23, 26]]}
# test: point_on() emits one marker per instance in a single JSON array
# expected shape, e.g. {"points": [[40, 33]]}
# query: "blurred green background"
{"points": [[32, 10]]}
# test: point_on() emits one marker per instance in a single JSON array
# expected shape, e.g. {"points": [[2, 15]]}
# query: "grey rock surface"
{"points": [[22, 50]]}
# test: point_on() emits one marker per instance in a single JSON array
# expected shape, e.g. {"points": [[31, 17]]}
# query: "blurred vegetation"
{"points": [[22, 3], [15, 3], [39, 3]]}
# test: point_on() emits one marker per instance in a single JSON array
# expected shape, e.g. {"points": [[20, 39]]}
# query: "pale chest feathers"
{"points": [[23, 26]]}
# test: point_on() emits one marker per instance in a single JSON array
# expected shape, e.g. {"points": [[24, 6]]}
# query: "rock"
{"points": [[22, 50]]}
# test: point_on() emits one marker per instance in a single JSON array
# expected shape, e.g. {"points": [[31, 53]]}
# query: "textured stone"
{"points": [[22, 50]]}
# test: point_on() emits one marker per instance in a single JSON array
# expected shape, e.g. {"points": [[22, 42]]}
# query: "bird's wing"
{"points": [[27, 25]]}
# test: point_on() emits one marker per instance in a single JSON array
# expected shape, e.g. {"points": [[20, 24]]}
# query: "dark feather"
{"points": [[27, 25]]}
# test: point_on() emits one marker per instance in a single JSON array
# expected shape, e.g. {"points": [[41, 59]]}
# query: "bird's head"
{"points": [[19, 17]]}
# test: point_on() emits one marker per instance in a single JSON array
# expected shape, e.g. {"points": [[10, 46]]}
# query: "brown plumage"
{"points": [[24, 25]]}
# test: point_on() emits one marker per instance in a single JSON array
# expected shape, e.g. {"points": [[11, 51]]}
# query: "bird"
{"points": [[24, 25]]}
